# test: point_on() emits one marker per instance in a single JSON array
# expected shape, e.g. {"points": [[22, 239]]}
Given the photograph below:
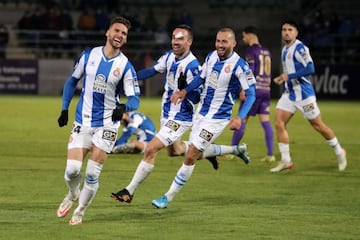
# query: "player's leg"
{"points": [[268, 136], [283, 113], [102, 145], [78, 147], [201, 139], [182, 176], [219, 150], [170, 132], [88, 192], [318, 124], [178, 148], [239, 134], [143, 170]]}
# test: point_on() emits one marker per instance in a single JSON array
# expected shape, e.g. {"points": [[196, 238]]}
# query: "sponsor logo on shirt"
{"points": [[100, 84], [213, 79]]}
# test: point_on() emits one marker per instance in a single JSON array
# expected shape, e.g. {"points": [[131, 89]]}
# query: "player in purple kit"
{"points": [[259, 59]]}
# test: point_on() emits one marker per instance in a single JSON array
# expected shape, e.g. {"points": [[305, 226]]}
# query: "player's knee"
{"points": [[151, 149], [73, 168], [279, 125], [93, 171]]}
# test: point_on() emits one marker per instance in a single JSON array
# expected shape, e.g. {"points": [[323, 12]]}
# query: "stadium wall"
{"points": [[47, 77]]}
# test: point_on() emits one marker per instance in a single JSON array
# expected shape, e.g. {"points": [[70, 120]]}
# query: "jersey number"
{"points": [[265, 65]]}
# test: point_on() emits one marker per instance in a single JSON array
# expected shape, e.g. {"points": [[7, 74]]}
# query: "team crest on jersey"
{"points": [[227, 68], [116, 72], [213, 79], [204, 134], [100, 84], [172, 125], [308, 108], [109, 135]]}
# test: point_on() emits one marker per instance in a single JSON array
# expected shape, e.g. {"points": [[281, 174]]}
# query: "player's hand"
{"points": [[235, 123], [178, 97], [182, 81], [242, 96], [63, 119], [118, 113], [280, 79]]}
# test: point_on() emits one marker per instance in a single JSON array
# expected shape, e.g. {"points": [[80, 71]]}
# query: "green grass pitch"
{"points": [[312, 201]]}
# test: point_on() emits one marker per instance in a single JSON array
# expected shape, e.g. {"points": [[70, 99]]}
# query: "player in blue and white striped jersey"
{"points": [[135, 123], [224, 74], [299, 94], [107, 74], [180, 67]]}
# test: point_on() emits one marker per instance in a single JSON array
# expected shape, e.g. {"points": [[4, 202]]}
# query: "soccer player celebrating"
{"points": [[107, 72], [224, 74]]}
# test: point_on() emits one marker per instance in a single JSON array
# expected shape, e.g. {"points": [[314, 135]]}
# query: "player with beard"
{"points": [[107, 73]]}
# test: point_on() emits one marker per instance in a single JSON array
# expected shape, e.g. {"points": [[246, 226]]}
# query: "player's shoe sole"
{"points": [[122, 196]]}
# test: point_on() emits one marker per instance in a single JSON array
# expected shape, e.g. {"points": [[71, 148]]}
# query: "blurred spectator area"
{"points": [[61, 35]]}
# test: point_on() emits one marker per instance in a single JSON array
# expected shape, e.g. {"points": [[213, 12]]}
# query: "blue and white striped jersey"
{"points": [[104, 80], [190, 66], [295, 58], [223, 81], [140, 125]]}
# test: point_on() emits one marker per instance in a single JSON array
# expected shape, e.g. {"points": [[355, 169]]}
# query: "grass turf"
{"points": [[312, 201]]}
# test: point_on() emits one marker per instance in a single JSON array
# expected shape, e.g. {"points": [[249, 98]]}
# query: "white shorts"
{"points": [[102, 137], [172, 130], [205, 131], [308, 106]]}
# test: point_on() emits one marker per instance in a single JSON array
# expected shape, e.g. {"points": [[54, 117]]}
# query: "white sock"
{"points": [[91, 185], [143, 170], [334, 143], [217, 150], [182, 176], [285, 152], [72, 177]]}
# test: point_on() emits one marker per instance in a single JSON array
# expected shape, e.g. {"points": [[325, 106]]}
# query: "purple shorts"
{"points": [[261, 104]]}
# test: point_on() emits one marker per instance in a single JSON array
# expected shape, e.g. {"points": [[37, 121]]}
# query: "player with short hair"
{"points": [[259, 59], [181, 67], [106, 73], [224, 74], [299, 94]]}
